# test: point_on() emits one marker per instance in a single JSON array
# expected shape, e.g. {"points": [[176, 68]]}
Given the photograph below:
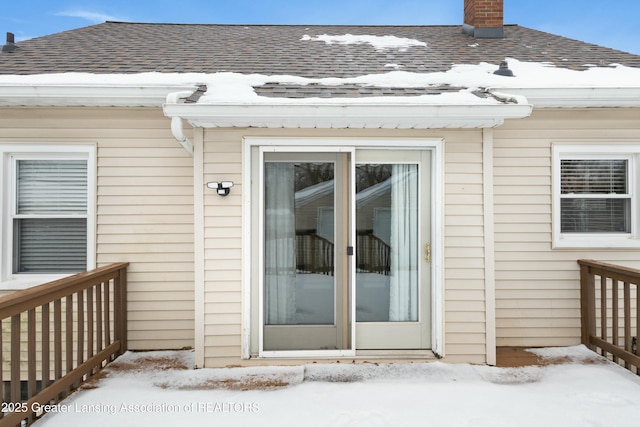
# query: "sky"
{"points": [[613, 23]]}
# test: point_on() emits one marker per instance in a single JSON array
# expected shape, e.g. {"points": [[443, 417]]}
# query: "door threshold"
{"points": [[387, 356], [395, 354]]}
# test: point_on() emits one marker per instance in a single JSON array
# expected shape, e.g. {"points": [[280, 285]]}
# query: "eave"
{"points": [[347, 115], [95, 95]]}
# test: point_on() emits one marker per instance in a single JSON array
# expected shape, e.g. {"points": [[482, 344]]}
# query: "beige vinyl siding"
{"points": [[222, 159], [144, 208], [465, 334], [465, 331], [537, 287]]}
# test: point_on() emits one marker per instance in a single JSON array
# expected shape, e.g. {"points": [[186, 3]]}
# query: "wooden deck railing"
{"points": [[610, 311], [57, 335]]}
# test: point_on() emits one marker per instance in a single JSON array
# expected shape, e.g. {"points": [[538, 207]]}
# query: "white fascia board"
{"points": [[342, 116], [585, 97], [73, 95]]}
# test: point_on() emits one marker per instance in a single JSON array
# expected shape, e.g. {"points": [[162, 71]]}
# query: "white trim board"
{"points": [[348, 144]]}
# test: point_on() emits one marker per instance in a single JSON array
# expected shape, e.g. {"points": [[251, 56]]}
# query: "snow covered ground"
{"points": [[159, 389]]}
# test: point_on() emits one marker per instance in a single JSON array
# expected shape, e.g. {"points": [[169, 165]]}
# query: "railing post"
{"points": [[120, 309], [587, 305], [124, 310]]}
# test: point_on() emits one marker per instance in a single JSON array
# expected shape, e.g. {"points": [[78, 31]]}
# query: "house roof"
{"points": [[418, 70], [118, 47]]}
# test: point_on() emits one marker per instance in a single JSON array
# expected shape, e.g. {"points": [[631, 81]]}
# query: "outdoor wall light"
{"points": [[222, 188]]}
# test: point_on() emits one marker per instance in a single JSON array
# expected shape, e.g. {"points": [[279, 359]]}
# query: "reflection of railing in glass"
{"points": [[314, 254], [372, 255]]}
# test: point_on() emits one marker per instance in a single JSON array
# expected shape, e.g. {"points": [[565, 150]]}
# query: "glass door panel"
{"points": [[299, 248], [392, 278], [305, 285], [386, 242]]}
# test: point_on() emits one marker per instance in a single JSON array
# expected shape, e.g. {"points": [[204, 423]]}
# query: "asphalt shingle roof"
{"points": [[117, 47]]}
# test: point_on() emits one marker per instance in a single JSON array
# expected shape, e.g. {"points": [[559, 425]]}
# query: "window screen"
{"points": [[595, 196], [50, 221]]}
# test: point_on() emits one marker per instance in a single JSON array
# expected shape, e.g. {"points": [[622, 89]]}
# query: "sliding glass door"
{"points": [[344, 238]]}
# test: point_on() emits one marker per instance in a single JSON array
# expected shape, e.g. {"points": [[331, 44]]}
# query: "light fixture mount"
{"points": [[222, 187]]}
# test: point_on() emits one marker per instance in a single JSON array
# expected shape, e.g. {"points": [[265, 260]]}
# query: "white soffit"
{"points": [[342, 116]]}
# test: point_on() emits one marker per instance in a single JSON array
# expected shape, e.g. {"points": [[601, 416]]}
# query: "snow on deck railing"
{"points": [[610, 311], [69, 328]]}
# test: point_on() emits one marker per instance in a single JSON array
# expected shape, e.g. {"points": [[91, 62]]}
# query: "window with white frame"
{"points": [[595, 196], [48, 210]]}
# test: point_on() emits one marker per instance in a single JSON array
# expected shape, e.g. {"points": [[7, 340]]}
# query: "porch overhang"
{"points": [[347, 115]]}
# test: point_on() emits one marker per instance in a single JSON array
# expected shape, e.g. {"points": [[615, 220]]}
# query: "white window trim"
{"points": [[597, 240], [9, 152], [437, 225]]}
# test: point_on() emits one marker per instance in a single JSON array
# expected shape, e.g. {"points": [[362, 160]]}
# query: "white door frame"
{"points": [[436, 145]]}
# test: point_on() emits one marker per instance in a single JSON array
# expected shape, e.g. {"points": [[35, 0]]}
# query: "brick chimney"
{"points": [[484, 19]]}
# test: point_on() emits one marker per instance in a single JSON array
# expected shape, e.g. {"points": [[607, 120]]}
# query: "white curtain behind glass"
{"points": [[403, 305], [280, 244]]}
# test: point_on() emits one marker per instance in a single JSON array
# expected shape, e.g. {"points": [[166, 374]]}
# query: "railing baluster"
{"points": [[31, 353], [46, 340], [15, 355], [80, 322], [603, 310], [31, 356], [90, 324], [69, 332], [57, 337], [99, 316], [627, 319], [614, 315], [107, 318]]}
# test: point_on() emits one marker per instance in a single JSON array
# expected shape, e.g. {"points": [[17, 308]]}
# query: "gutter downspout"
{"points": [[176, 122]]}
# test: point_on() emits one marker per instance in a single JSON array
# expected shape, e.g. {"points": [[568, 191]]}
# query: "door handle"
{"points": [[427, 252]]}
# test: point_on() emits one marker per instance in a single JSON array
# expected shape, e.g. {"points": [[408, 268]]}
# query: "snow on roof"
{"points": [[378, 42], [236, 88]]}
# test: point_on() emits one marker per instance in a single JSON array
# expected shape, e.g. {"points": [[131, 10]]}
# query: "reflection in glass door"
{"points": [[299, 243], [303, 295], [386, 242], [392, 211]]}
